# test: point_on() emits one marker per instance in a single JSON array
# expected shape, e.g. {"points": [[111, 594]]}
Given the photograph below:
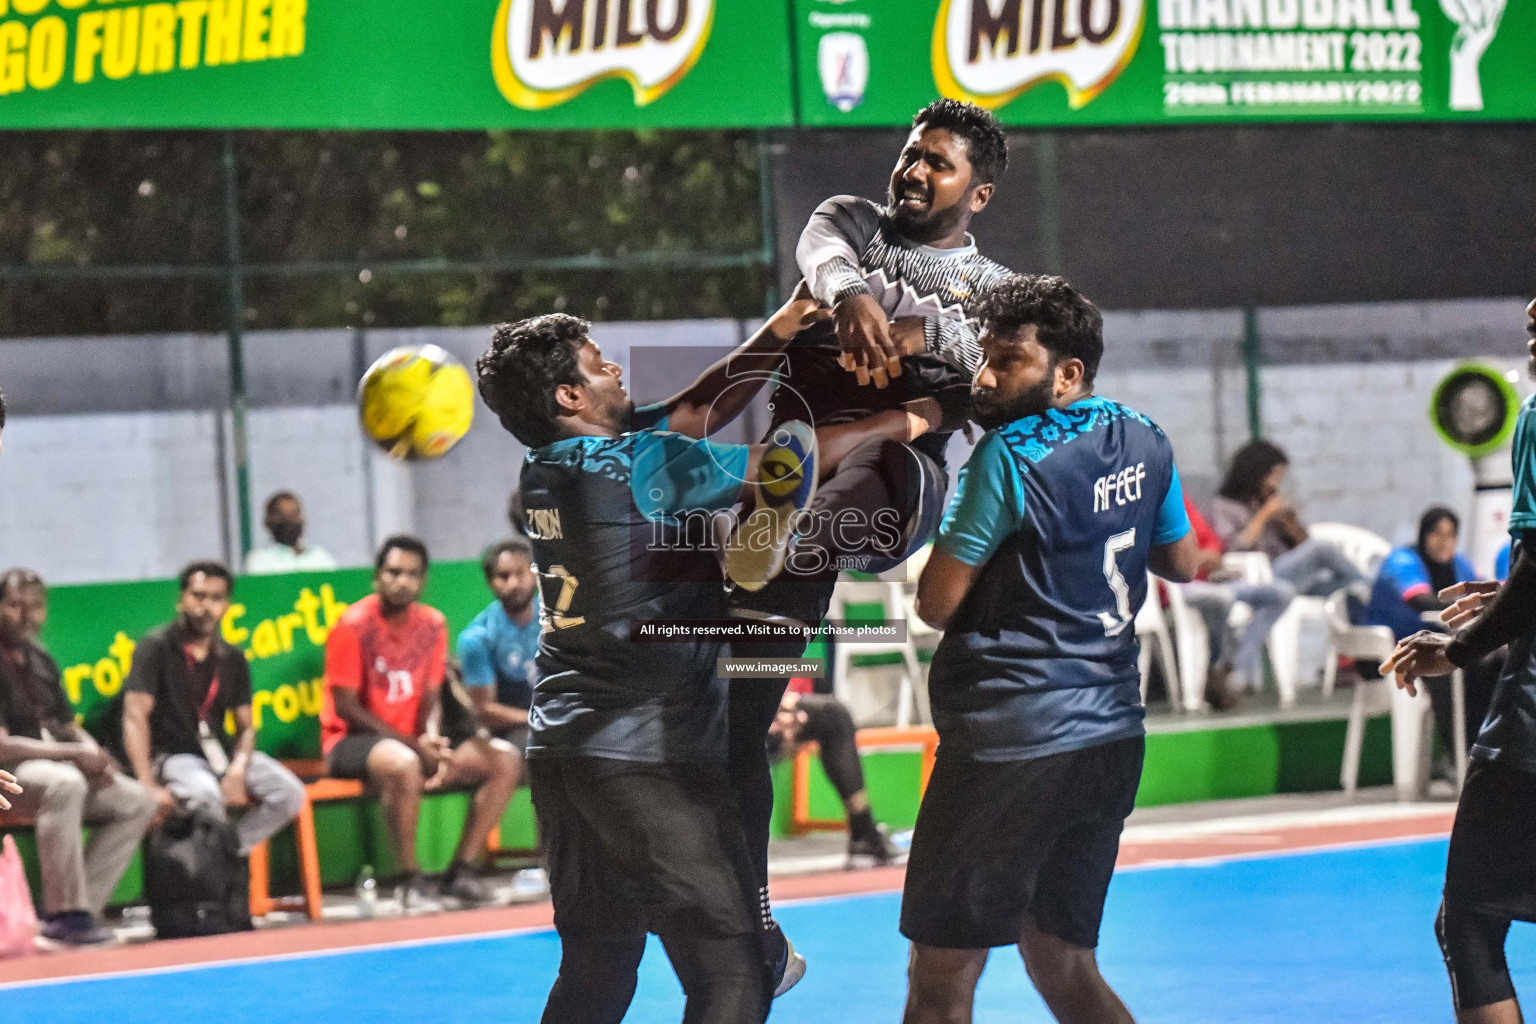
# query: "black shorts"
{"points": [[348, 759], [1491, 867], [635, 847], [999, 841]]}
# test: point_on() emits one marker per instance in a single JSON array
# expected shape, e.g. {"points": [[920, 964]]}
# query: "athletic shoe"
{"points": [[463, 883], [530, 884], [790, 966], [870, 851], [416, 896], [786, 479], [72, 928]]}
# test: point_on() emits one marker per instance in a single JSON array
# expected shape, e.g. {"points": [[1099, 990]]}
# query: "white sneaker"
{"points": [[530, 884]]}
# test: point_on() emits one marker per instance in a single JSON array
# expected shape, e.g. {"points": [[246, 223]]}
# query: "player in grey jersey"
{"points": [[875, 265], [904, 280]]}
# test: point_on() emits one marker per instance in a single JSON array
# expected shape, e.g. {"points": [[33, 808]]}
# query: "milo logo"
{"points": [[991, 51], [544, 52]]}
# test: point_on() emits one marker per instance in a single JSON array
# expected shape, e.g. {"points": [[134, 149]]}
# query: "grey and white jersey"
{"points": [[850, 247]]}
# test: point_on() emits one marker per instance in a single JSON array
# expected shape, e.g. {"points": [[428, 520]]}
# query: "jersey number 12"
{"points": [[1115, 623]]}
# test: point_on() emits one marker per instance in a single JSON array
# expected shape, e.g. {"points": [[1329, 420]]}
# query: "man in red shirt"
{"points": [[384, 667]]}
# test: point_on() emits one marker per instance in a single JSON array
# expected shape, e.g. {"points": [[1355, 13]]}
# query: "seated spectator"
{"points": [[497, 650], [69, 780], [284, 520], [1250, 514], [1406, 599], [807, 717], [1239, 668], [384, 667], [186, 681], [1501, 563]]}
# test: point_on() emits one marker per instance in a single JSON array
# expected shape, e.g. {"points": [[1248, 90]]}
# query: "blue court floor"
{"points": [[1310, 938]]}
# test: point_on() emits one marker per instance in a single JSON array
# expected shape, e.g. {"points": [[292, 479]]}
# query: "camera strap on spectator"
{"points": [[213, 751]]}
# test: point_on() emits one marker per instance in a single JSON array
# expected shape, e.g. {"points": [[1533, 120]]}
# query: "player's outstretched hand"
{"points": [[1419, 656], [1466, 601], [8, 784], [864, 333], [801, 311]]}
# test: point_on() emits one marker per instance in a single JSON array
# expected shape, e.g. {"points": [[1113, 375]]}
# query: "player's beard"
{"points": [[516, 603], [925, 227], [989, 411]]}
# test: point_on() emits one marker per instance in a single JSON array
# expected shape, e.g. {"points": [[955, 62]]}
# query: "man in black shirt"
{"points": [[185, 684], [69, 780], [1490, 872]]}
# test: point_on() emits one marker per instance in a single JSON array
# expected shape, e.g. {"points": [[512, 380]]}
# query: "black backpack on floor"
{"points": [[195, 880]]}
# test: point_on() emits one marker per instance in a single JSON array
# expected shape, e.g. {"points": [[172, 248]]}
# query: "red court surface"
{"points": [[1207, 842]]}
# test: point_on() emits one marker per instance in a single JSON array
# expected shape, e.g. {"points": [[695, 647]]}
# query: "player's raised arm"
{"points": [[725, 389]]}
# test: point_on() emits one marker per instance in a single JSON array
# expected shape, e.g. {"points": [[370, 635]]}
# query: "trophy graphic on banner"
{"points": [[1477, 22]]}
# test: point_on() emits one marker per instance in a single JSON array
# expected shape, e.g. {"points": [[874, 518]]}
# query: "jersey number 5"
{"points": [[1114, 624], [556, 618]]}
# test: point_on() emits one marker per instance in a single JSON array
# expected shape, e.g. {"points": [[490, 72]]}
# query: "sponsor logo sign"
{"points": [[991, 51], [545, 52]]}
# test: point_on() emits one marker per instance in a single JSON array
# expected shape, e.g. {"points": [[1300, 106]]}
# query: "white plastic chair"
{"points": [[1412, 743], [893, 608], [1367, 551], [1375, 643], [1152, 625], [1192, 647], [1284, 640], [920, 636]]}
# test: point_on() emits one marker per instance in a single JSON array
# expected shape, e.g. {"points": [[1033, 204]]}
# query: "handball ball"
{"points": [[416, 402]]}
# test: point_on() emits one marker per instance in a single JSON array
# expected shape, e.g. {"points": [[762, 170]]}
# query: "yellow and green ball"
{"points": [[415, 402]]}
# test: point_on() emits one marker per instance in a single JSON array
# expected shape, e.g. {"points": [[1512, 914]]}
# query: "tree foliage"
{"points": [[93, 199]]}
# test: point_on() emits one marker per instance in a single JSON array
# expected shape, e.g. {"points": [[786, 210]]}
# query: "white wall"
{"points": [[90, 495]]}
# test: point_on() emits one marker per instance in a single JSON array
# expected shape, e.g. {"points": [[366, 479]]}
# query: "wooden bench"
{"points": [[922, 737], [320, 789], [317, 789], [260, 903]]}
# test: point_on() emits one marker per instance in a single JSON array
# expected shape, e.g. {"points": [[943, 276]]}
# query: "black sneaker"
{"points": [[73, 928], [789, 966], [871, 850], [463, 883]]}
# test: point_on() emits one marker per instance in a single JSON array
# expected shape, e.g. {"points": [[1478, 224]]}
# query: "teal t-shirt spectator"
{"points": [[1411, 578], [495, 651]]}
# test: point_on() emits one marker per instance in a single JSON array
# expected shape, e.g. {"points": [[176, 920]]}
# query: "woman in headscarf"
{"points": [[1412, 577], [1408, 589]]}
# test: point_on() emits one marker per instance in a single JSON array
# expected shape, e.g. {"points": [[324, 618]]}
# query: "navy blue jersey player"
{"points": [[627, 747], [1039, 568]]}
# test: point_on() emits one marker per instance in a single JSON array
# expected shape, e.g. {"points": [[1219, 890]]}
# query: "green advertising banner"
{"points": [[1151, 62], [281, 622], [402, 64]]}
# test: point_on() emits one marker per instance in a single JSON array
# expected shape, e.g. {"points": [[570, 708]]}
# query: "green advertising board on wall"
{"points": [[281, 622], [1151, 62], [477, 64], [401, 64]]}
